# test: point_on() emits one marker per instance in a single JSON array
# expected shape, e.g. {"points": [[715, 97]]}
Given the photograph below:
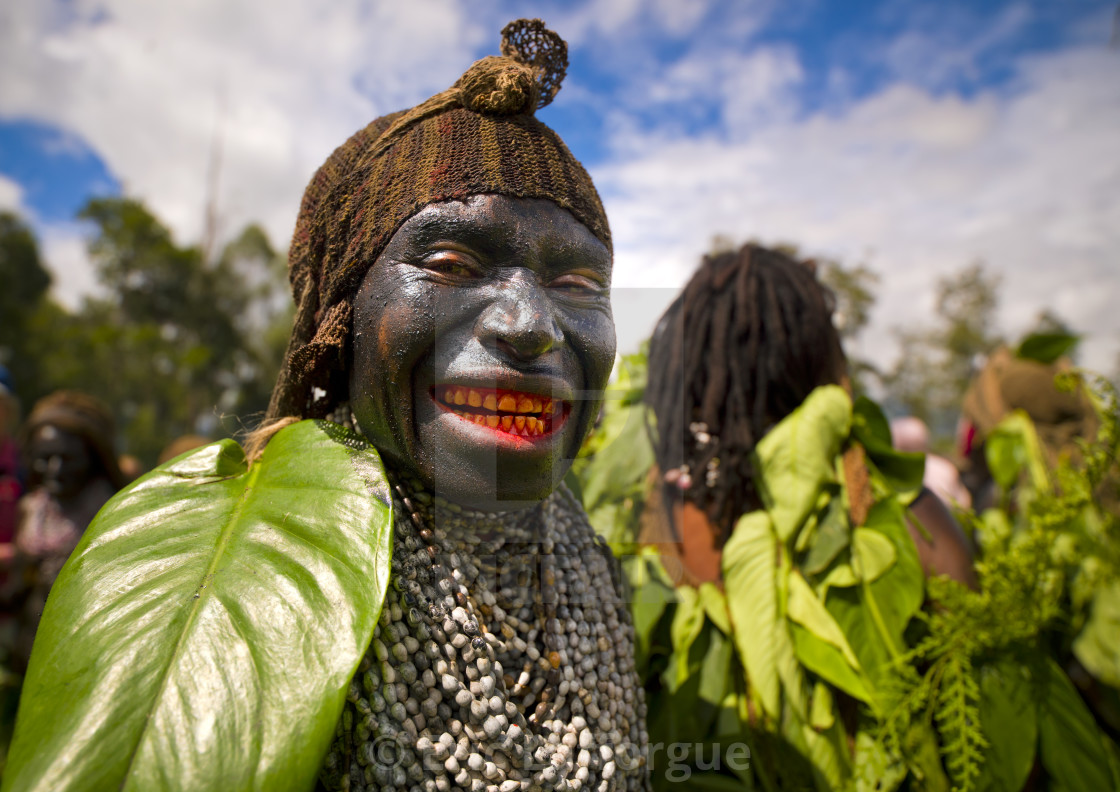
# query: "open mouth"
{"points": [[512, 412]]}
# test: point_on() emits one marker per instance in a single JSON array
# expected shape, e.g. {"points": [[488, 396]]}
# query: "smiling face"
{"points": [[483, 338]]}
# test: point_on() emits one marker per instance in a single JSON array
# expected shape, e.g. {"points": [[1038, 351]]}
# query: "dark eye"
{"points": [[577, 283], [452, 263]]}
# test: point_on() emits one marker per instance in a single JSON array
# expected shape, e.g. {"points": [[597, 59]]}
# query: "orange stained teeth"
{"points": [[536, 405], [547, 407], [492, 421], [460, 396], [519, 421], [449, 396], [480, 419], [490, 402], [474, 398], [507, 403], [507, 422], [524, 405]]}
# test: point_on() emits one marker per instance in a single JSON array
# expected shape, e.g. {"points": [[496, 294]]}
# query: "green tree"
{"points": [[937, 363], [177, 345], [23, 284]]}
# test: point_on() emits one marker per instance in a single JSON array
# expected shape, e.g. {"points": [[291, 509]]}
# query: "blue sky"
{"points": [[915, 136]]}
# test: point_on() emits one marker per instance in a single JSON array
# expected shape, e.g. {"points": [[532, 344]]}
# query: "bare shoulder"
{"points": [[943, 548]]}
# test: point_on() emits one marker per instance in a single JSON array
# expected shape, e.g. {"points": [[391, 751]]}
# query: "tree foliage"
{"points": [[173, 343], [23, 283], [936, 364]]}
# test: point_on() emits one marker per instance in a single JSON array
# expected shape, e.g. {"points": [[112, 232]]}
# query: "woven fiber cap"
{"points": [[478, 137]]}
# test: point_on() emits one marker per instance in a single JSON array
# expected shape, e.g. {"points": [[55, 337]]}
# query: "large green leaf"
{"points": [[1072, 747], [1009, 717], [205, 631], [796, 457], [750, 569]]}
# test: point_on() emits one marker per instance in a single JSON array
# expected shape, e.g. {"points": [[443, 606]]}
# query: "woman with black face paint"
{"points": [[403, 595]]}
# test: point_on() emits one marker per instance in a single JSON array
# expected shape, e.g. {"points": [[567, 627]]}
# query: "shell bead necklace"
{"points": [[503, 659]]}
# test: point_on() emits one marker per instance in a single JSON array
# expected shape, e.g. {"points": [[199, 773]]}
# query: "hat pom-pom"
{"points": [[528, 41], [524, 79], [499, 86]]}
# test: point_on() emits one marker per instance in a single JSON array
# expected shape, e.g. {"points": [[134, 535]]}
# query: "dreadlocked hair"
{"points": [[740, 348]]}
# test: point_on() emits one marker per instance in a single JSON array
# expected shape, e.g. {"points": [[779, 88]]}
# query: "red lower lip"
{"points": [[508, 413]]}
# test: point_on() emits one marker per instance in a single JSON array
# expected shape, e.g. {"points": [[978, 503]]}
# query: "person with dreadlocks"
{"points": [[451, 267], [749, 338], [766, 498]]}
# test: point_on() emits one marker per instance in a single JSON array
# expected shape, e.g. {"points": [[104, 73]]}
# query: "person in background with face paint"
{"points": [[451, 265], [72, 471]]}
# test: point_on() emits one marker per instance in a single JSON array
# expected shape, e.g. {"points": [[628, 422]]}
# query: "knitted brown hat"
{"points": [[477, 137]]}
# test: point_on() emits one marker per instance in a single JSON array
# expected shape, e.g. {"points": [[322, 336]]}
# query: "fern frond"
{"points": [[957, 715]]}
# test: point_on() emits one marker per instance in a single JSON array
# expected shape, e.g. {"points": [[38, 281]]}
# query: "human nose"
{"points": [[519, 321]]}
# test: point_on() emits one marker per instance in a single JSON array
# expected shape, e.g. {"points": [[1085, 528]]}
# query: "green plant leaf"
{"points": [[872, 554], [204, 633], [795, 458], [875, 769], [1009, 718], [622, 460], [833, 535], [688, 619], [808, 611], [841, 575], [715, 605], [1012, 446], [1070, 742], [1046, 347], [1097, 646], [821, 711], [750, 569], [715, 672], [651, 594], [874, 616], [902, 471], [829, 663]]}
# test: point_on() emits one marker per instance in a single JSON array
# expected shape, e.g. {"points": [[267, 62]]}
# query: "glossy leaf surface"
{"points": [[205, 631]]}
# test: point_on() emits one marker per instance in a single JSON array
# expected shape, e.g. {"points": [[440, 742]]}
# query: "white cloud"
{"points": [[915, 180], [152, 86], [63, 250], [915, 184], [11, 195]]}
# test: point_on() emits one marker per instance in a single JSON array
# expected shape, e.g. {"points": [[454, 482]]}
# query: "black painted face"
{"points": [[59, 460], [483, 338]]}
